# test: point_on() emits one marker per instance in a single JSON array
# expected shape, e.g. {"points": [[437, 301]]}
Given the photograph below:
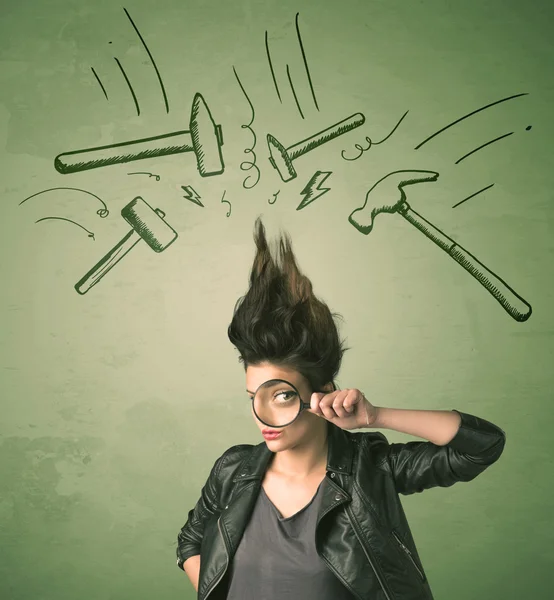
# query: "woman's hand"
{"points": [[348, 409]]}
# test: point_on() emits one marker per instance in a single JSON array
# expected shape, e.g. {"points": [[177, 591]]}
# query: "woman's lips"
{"points": [[271, 435]]}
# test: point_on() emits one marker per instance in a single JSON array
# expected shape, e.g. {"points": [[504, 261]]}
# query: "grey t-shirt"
{"points": [[277, 559]]}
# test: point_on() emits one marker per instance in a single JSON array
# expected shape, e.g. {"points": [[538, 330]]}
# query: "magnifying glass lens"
{"points": [[276, 403]]}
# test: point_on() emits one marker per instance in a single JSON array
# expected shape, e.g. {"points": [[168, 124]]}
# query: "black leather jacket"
{"points": [[362, 533]]}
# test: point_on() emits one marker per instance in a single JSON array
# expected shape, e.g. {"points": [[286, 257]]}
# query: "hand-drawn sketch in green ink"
{"points": [[473, 195], [228, 214], [99, 82], [204, 138], [247, 165], [294, 94], [388, 196], [129, 85], [474, 112], [287, 69], [501, 137], [101, 212], [160, 81], [145, 173], [90, 233], [147, 224], [192, 195], [281, 158], [274, 199], [370, 143], [313, 189]]}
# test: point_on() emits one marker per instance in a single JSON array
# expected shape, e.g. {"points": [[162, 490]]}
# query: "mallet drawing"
{"points": [[388, 196], [204, 138], [281, 158], [147, 224]]}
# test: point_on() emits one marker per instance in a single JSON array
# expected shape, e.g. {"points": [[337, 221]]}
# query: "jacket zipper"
{"points": [[358, 535], [213, 585], [407, 551]]}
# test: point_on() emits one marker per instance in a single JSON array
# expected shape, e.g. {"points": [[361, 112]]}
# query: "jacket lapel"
{"points": [[248, 480]]}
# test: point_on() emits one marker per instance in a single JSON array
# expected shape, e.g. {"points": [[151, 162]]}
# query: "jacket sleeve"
{"points": [[417, 466], [189, 538]]}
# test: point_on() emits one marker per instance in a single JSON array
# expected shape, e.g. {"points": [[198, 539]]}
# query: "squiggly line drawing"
{"points": [[275, 194], [223, 200], [102, 212], [145, 173], [247, 165], [370, 143], [90, 234]]}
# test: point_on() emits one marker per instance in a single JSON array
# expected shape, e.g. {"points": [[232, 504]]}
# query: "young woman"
{"points": [[313, 511]]}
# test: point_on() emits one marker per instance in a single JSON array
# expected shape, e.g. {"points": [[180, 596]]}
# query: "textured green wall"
{"points": [[115, 403]]}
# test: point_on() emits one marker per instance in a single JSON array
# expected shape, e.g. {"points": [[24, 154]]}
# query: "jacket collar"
{"points": [[339, 456]]}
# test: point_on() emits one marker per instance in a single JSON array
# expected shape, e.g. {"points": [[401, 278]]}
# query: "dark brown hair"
{"points": [[281, 321]]}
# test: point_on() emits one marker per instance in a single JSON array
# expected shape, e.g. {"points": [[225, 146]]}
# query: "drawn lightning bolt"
{"points": [[191, 194], [313, 189]]}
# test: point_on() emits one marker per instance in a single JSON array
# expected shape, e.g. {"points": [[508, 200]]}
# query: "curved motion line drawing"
{"points": [[147, 224], [313, 189], [100, 83], [227, 201], [388, 196], [467, 116], [305, 60], [135, 100], [90, 234], [281, 158], [483, 146], [296, 101], [102, 212], [145, 173], [268, 54], [371, 143], [306, 67], [247, 165], [205, 139], [472, 195], [151, 59]]}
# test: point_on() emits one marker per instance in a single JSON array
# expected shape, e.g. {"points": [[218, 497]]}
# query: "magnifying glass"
{"points": [[277, 403]]}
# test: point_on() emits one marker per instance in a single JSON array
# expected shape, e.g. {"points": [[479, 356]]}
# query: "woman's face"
{"points": [[300, 430]]}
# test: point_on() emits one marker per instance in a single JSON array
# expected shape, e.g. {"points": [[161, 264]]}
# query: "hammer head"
{"points": [[149, 224], [207, 138], [387, 196], [279, 158]]}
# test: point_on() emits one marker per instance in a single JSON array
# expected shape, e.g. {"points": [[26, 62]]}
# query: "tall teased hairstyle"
{"points": [[281, 321]]}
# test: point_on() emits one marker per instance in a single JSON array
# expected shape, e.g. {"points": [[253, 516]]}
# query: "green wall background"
{"points": [[116, 403]]}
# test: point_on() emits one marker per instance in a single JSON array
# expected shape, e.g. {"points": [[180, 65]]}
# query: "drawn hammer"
{"points": [[147, 224], [281, 158], [387, 196], [205, 139]]}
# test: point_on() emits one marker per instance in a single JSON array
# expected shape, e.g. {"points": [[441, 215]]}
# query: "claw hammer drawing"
{"points": [[388, 196]]}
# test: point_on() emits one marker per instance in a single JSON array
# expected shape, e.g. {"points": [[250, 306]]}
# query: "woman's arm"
{"points": [[191, 567]]}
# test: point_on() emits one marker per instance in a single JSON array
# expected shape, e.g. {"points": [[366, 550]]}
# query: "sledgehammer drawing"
{"points": [[147, 224], [388, 196], [205, 139]]}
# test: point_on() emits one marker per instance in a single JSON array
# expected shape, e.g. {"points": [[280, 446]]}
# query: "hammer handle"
{"points": [[114, 154], [326, 135], [512, 302], [108, 262]]}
